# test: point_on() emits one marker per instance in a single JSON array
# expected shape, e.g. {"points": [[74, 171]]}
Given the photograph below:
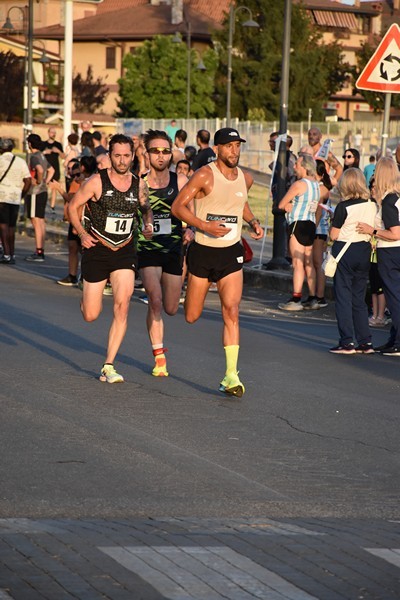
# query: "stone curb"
{"points": [[278, 280]]}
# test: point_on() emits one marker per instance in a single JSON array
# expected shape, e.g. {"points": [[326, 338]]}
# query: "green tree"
{"points": [[155, 81], [375, 99], [88, 94], [11, 86], [316, 70]]}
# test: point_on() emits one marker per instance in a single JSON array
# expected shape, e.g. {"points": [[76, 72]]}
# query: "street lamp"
{"points": [[8, 26], [250, 23], [200, 66], [279, 247]]}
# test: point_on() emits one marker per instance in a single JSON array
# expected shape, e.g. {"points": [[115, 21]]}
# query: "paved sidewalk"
{"points": [[189, 558]]}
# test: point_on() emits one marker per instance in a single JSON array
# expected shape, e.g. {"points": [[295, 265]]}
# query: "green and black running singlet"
{"points": [[167, 235], [113, 219]]}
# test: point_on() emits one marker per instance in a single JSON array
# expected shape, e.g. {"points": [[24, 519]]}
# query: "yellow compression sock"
{"points": [[231, 356]]}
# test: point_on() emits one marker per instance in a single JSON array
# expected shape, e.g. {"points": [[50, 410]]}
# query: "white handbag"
{"points": [[330, 263]]}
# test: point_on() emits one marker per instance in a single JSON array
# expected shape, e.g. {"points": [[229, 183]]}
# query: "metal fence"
{"points": [[256, 153]]}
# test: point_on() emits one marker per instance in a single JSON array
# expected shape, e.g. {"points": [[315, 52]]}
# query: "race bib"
{"points": [[119, 225], [162, 225], [229, 220]]}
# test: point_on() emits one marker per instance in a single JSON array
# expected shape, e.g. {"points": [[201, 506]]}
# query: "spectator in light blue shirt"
{"points": [[369, 170]]}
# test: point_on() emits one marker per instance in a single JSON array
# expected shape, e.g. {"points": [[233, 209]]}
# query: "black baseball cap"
{"points": [[226, 135]]}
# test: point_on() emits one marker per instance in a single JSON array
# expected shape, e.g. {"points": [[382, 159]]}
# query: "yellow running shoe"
{"points": [[109, 374], [160, 371], [232, 385], [160, 368]]}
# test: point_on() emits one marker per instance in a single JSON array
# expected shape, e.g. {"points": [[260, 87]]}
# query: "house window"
{"points": [[111, 57], [366, 25]]}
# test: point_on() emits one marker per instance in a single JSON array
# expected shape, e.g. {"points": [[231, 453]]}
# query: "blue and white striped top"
{"points": [[305, 206], [325, 221]]}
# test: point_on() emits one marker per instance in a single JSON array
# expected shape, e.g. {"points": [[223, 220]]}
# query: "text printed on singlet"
{"points": [[231, 221]]}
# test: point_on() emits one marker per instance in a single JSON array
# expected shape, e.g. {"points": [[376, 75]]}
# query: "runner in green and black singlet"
{"points": [[160, 259]]}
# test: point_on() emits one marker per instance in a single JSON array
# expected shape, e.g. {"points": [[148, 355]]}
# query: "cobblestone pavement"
{"points": [[210, 559]]}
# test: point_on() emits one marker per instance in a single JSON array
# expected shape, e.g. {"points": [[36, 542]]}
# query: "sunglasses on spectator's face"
{"points": [[348, 156], [159, 151]]}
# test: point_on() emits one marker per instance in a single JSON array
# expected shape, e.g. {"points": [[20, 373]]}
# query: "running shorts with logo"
{"points": [[214, 263]]}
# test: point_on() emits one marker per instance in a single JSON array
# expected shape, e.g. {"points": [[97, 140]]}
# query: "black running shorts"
{"points": [[303, 231], [36, 205], [9, 214], [214, 263], [170, 262], [98, 262]]}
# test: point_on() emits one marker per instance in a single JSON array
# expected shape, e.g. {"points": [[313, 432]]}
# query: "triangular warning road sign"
{"points": [[382, 72]]}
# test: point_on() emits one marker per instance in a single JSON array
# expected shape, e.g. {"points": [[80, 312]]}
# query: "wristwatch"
{"points": [[375, 231]]}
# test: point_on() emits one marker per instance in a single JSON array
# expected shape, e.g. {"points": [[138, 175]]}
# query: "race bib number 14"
{"points": [[119, 225]]}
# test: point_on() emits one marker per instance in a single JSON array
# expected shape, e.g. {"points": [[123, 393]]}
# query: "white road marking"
{"points": [[391, 555], [204, 573]]}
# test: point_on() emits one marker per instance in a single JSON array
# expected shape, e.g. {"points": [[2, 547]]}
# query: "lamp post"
{"points": [[250, 23], [28, 84], [201, 66], [279, 245]]}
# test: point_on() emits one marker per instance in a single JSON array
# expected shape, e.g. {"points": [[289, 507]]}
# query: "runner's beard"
{"points": [[121, 170], [232, 163]]}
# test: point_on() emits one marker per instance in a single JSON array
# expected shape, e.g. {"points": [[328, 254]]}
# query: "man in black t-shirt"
{"points": [[206, 154], [53, 151]]}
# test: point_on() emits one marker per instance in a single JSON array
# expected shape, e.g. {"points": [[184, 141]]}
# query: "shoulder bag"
{"points": [[330, 263], [8, 168]]}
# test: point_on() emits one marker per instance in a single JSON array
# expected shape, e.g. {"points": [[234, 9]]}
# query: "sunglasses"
{"points": [[347, 156], [160, 151]]}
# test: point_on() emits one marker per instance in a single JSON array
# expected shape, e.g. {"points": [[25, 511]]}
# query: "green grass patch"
{"points": [[258, 200]]}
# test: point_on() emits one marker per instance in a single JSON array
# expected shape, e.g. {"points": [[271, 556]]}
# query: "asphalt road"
{"points": [[313, 442]]}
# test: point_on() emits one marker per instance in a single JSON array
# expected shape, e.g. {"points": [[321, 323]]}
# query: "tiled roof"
{"points": [[112, 5], [134, 23], [332, 5], [214, 9]]}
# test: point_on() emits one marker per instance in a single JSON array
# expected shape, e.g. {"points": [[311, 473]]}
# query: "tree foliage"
{"points": [[11, 86], [375, 99], [317, 70], [155, 81], [88, 94]]}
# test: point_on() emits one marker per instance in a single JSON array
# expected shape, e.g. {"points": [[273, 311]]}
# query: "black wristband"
{"points": [[251, 223], [375, 231]]}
